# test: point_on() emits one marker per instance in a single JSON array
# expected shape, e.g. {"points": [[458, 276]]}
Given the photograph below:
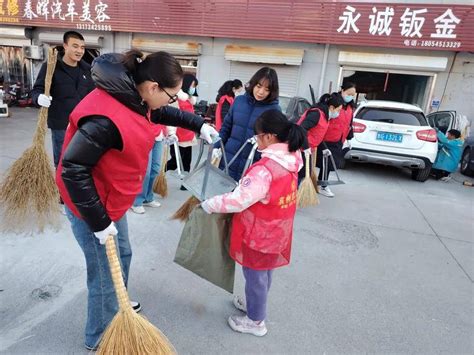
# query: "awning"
{"points": [[393, 61], [14, 36], [268, 55], [173, 47], [56, 38]]}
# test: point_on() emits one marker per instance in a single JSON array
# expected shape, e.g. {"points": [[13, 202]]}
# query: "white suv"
{"points": [[396, 134]]}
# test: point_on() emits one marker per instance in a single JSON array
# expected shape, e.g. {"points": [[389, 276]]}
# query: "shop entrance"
{"points": [[411, 88]]}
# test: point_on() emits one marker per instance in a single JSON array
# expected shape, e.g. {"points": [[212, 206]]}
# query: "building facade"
{"points": [[420, 52]]}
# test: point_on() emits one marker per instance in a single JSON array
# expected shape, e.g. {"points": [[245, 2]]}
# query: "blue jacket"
{"points": [[449, 153], [238, 127]]}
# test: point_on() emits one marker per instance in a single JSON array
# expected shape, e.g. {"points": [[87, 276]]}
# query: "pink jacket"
{"points": [[254, 186]]}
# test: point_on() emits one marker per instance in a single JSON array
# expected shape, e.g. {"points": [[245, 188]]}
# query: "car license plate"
{"points": [[390, 137]]}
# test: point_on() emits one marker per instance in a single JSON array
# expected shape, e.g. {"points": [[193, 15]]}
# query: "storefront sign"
{"points": [[418, 26]]}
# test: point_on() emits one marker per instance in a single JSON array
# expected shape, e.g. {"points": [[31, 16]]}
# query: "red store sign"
{"points": [[419, 26]]}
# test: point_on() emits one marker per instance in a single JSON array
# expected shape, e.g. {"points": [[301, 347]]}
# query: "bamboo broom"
{"points": [[183, 213], [28, 193], [307, 195], [160, 185], [314, 177], [129, 333]]}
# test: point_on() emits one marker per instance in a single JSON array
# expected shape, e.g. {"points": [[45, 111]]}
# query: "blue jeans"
{"points": [[257, 285], [152, 171], [57, 137], [101, 302]]}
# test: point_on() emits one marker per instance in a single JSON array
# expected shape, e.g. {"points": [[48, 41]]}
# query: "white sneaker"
{"points": [[137, 307], [446, 178], [326, 191], [244, 324], [239, 303], [138, 209], [152, 204]]}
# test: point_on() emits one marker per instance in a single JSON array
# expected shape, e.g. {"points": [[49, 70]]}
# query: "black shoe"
{"points": [[182, 188]]}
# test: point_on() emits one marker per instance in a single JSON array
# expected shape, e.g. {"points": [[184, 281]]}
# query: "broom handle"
{"points": [[41, 127], [306, 156], [116, 271]]}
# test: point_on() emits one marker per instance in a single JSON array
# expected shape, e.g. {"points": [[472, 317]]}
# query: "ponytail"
{"points": [[275, 122], [131, 60], [335, 99], [296, 137]]}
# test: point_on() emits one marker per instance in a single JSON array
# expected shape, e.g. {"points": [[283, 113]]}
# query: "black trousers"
{"points": [[186, 156], [438, 174]]}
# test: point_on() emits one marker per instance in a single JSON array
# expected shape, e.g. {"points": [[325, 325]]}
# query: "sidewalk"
{"points": [[384, 267]]}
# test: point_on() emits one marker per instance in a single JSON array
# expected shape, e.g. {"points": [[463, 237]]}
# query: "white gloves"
{"points": [[208, 133], [326, 152], [44, 100], [170, 139], [216, 153], [103, 235]]}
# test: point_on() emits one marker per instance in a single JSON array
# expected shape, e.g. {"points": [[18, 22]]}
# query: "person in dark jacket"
{"points": [[261, 95], [105, 157], [71, 83]]}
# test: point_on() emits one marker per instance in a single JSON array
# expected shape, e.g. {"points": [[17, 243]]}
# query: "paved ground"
{"points": [[385, 267]]}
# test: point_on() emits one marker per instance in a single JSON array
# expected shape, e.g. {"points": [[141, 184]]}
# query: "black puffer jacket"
{"points": [[66, 91], [97, 134]]}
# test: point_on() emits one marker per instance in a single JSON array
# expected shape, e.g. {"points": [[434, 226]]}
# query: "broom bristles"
{"points": [[129, 333], [182, 214], [160, 185], [307, 195], [28, 193]]}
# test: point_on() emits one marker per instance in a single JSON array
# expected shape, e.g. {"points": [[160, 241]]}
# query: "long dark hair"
{"points": [[160, 67], [225, 89], [275, 122], [265, 74]]}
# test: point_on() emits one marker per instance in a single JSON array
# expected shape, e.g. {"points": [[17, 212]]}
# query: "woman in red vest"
{"points": [[264, 204], [186, 138], [348, 93], [314, 120], [225, 99], [332, 140], [104, 160]]}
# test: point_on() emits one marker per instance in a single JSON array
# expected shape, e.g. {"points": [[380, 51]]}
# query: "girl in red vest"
{"points": [[332, 140], [225, 99], [264, 204], [186, 138], [104, 160]]}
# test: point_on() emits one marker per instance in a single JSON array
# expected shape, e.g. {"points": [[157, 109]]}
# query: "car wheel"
{"points": [[421, 175], [465, 162]]}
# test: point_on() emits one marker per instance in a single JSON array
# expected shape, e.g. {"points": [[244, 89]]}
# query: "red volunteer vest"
{"points": [[185, 135], [336, 129], [315, 134], [262, 234], [346, 115], [118, 176], [219, 118]]}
